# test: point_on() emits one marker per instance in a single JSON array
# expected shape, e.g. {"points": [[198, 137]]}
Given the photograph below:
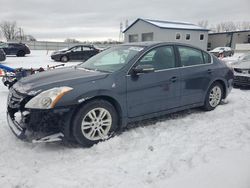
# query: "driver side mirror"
{"points": [[143, 69]]}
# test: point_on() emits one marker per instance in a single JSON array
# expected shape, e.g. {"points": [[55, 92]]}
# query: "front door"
{"points": [[75, 53], [87, 51], [154, 91]]}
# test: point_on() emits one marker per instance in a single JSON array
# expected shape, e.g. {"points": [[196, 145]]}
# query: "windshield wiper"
{"points": [[86, 69], [103, 71]]}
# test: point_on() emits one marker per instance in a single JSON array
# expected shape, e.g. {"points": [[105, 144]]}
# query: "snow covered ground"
{"points": [[191, 149]]}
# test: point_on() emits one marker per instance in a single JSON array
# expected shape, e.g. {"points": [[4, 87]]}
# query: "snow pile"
{"points": [[192, 149]]}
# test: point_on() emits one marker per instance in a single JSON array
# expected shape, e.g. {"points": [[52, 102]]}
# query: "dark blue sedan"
{"points": [[2, 55], [130, 82], [76, 53]]}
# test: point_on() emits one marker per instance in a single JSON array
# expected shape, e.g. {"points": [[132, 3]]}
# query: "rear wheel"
{"points": [[20, 53], [214, 96], [95, 121], [64, 58]]}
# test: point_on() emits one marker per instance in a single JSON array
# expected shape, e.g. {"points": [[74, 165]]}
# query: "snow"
{"points": [[233, 59], [190, 149], [175, 25]]}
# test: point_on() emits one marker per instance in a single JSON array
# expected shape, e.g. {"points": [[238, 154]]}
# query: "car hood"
{"points": [[217, 51], [69, 76], [60, 51], [243, 65]]}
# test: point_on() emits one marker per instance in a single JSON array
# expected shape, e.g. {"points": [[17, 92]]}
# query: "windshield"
{"points": [[3, 45], [111, 59]]}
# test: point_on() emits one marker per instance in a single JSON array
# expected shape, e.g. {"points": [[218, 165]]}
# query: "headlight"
{"points": [[48, 99]]}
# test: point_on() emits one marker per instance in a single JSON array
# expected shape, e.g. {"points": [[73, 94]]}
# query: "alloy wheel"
{"points": [[96, 124], [215, 96]]}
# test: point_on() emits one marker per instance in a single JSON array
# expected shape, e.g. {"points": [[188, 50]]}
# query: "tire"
{"points": [[20, 53], [94, 122], [64, 59], [213, 96]]}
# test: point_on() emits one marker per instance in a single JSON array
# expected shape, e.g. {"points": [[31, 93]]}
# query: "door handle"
{"points": [[173, 79], [209, 71]]}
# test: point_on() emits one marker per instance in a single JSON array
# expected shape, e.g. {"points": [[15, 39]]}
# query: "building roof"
{"points": [[169, 25], [229, 32]]}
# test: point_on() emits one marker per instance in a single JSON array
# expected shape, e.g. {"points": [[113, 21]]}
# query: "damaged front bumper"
{"points": [[36, 125], [22, 133], [29, 130]]}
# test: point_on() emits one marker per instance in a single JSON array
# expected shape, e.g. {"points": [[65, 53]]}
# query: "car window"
{"points": [[115, 56], [112, 59], [206, 57], [3, 45], [161, 58], [11, 45], [190, 56], [85, 48], [77, 49]]}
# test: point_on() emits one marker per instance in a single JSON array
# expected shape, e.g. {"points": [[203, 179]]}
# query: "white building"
{"points": [[155, 30]]}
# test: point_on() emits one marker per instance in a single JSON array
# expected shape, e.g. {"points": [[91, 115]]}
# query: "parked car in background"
{"points": [[2, 55], [237, 58], [79, 52], [242, 73], [126, 83], [18, 49], [225, 51]]}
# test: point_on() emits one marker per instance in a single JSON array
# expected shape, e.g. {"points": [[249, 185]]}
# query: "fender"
{"points": [[220, 79]]}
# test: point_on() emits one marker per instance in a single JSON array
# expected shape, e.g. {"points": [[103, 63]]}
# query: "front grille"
{"points": [[242, 80], [15, 99]]}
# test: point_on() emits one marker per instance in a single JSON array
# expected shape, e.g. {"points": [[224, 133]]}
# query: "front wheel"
{"points": [[214, 96], [96, 121], [64, 59]]}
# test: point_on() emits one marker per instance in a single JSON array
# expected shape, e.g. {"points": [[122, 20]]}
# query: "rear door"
{"points": [[196, 74], [154, 91]]}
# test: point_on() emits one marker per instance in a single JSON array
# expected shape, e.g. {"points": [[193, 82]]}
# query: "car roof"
{"points": [[155, 43], [85, 45], [15, 43]]}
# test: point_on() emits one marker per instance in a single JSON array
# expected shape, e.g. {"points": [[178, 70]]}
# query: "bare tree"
{"points": [[228, 26], [232, 26], [9, 30], [203, 23], [218, 28], [245, 25], [71, 40]]}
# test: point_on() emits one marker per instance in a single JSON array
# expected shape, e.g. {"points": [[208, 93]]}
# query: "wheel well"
{"points": [[223, 87], [112, 101]]}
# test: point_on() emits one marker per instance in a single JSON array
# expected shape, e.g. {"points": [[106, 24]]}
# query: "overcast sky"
{"points": [[100, 19]]}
